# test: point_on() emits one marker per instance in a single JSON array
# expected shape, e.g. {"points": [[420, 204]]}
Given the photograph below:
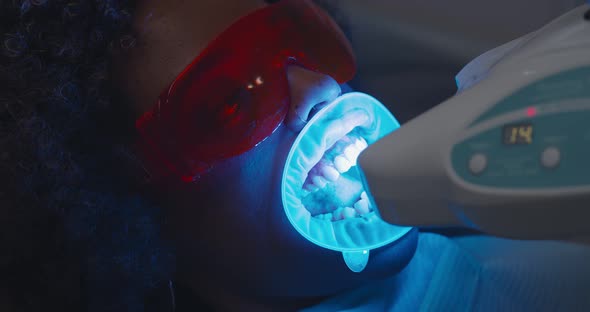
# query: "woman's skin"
{"points": [[235, 247]]}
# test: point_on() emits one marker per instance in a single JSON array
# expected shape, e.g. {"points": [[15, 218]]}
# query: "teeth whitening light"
{"points": [[507, 156]]}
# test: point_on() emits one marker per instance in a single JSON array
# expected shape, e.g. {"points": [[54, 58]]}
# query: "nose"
{"points": [[310, 91]]}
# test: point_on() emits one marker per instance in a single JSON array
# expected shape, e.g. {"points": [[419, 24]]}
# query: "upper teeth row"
{"points": [[330, 169], [350, 154]]}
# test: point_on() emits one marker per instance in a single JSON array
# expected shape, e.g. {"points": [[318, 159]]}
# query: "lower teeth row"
{"points": [[361, 207]]}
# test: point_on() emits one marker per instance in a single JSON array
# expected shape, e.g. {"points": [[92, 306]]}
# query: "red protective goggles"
{"points": [[236, 93]]}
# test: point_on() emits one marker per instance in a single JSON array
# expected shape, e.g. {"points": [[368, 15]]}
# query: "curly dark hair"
{"points": [[75, 233]]}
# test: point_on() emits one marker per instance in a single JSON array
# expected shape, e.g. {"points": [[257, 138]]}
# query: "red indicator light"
{"points": [[531, 111]]}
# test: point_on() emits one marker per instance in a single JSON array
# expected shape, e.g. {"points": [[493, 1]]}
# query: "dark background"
{"points": [[409, 51]]}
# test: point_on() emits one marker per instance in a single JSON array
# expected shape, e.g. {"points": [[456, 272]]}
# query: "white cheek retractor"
{"points": [[355, 228]]}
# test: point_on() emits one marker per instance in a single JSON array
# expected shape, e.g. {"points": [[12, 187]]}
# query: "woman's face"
{"points": [[232, 235]]}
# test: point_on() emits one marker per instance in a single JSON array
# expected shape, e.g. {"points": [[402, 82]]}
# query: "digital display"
{"points": [[518, 134]]}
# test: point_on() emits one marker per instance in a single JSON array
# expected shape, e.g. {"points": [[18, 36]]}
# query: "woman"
{"points": [[79, 75], [108, 207]]}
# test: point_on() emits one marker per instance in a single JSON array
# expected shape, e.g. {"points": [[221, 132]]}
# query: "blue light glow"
{"points": [[366, 117]]}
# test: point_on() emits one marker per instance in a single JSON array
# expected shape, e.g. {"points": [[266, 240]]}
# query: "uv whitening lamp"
{"points": [[509, 155]]}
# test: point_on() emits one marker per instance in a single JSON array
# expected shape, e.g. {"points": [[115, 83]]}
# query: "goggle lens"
{"points": [[236, 93]]}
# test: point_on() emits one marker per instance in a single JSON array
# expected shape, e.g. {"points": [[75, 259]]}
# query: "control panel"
{"points": [[539, 137]]}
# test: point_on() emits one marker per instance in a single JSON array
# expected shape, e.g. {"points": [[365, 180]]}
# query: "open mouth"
{"points": [[333, 190], [322, 188]]}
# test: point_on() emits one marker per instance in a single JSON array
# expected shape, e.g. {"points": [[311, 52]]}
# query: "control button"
{"points": [[550, 157], [478, 163]]}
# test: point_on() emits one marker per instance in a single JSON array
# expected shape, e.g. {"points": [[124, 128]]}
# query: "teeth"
{"points": [[342, 164], [365, 196], [361, 144], [319, 181], [329, 173], [337, 214], [348, 212], [362, 206], [343, 213], [337, 160], [310, 187], [325, 216], [352, 153], [342, 156]]}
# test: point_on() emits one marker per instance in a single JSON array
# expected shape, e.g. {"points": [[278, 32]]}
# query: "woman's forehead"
{"points": [[170, 34]]}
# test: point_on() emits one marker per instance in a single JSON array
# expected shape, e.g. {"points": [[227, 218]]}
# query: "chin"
{"points": [[303, 269]]}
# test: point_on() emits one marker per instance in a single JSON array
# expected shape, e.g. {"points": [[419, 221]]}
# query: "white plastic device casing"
{"points": [[409, 172]]}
